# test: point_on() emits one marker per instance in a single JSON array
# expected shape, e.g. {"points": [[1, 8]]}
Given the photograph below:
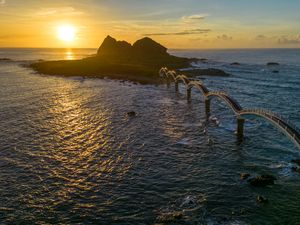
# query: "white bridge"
{"points": [[288, 129]]}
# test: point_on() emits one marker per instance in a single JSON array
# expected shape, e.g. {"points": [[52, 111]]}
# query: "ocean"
{"points": [[69, 154]]}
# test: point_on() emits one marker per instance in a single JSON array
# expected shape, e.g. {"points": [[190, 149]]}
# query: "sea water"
{"points": [[69, 154]]}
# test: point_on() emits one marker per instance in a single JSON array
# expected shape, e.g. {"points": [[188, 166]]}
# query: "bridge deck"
{"points": [[292, 131], [289, 129]]}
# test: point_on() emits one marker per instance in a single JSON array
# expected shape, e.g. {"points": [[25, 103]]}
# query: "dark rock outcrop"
{"points": [[5, 59], [261, 199], [273, 64], [297, 161], [131, 114], [203, 60], [244, 176], [262, 181], [295, 169], [208, 72], [170, 217]]}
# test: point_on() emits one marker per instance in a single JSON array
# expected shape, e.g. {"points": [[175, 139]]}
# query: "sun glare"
{"points": [[66, 33]]}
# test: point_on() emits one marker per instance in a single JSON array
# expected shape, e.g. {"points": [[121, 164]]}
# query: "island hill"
{"points": [[139, 62]]}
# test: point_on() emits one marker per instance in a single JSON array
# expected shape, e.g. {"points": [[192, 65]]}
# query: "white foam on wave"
{"points": [[187, 125], [170, 101], [185, 141], [190, 142], [284, 168], [165, 101], [188, 201]]}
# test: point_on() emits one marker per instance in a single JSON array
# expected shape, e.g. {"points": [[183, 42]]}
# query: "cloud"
{"points": [[194, 17], [289, 40], [66, 11], [2, 2], [186, 32], [17, 36], [260, 37], [224, 37]]}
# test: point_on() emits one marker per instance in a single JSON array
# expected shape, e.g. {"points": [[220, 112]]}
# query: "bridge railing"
{"points": [[291, 130], [231, 101], [217, 93], [274, 116]]}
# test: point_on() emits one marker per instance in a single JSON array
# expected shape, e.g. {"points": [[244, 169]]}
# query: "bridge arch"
{"points": [[171, 74], [163, 72], [292, 132], [198, 85], [182, 78], [231, 102], [289, 130]]}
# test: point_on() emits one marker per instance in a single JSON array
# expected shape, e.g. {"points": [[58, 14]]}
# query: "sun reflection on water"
{"points": [[69, 55], [82, 153]]}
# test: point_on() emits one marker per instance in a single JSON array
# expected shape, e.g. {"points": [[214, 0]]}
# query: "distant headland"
{"points": [[139, 62]]}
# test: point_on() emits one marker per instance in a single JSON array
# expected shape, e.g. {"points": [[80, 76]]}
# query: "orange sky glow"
{"points": [[176, 24]]}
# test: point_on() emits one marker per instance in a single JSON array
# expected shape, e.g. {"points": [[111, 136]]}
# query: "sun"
{"points": [[66, 33]]}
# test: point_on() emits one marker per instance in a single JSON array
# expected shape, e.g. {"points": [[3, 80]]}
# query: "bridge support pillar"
{"points": [[240, 129], [207, 107], [168, 82], [176, 86], [189, 94]]}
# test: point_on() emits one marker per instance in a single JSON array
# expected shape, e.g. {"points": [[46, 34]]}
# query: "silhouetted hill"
{"points": [[148, 47], [145, 48], [111, 46], [139, 62]]}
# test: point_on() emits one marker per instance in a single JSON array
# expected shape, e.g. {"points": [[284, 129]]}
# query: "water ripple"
{"points": [[70, 154]]}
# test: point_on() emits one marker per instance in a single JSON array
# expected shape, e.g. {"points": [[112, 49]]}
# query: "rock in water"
{"points": [[244, 176], [235, 64], [131, 114], [203, 60], [206, 72], [272, 64], [295, 169], [210, 141], [297, 161], [261, 199], [188, 201], [262, 181], [170, 217], [5, 59]]}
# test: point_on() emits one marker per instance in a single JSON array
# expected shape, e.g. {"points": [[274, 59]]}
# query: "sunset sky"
{"points": [[174, 23]]}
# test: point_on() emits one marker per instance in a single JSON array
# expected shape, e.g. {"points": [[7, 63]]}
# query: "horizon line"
{"points": [[70, 48]]}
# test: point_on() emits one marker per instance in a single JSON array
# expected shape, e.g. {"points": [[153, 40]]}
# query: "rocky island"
{"points": [[139, 62]]}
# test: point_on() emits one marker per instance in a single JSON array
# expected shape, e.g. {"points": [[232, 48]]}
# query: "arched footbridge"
{"points": [[278, 121]]}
